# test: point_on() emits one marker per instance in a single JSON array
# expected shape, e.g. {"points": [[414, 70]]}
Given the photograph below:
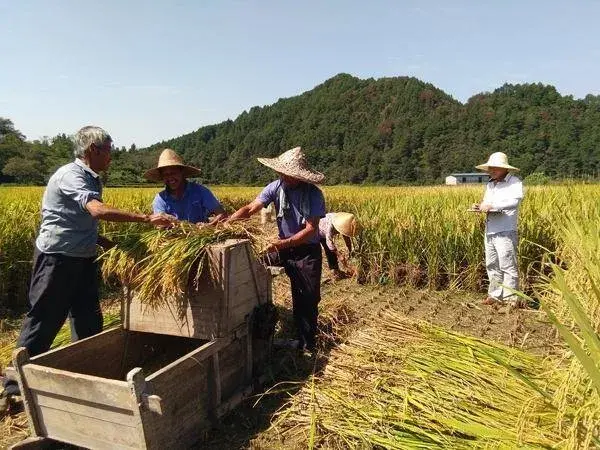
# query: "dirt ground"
{"points": [[345, 306]]}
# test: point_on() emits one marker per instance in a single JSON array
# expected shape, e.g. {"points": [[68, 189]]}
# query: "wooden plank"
{"points": [[78, 386], [152, 351], [249, 356], [241, 272], [185, 390], [75, 357], [201, 354], [201, 320], [215, 386], [125, 301], [86, 409], [20, 358], [234, 400], [257, 290], [224, 319], [231, 365], [240, 313], [137, 386], [33, 443], [87, 432]]}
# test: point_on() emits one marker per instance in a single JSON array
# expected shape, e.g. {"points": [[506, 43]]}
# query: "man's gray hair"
{"points": [[87, 136]]}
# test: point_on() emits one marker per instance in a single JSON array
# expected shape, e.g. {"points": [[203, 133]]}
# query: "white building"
{"points": [[464, 178]]}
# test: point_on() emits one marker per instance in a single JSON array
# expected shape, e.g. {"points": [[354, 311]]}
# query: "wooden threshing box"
{"points": [[155, 387], [234, 284]]}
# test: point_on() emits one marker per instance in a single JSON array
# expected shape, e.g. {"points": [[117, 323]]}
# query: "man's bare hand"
{"points": [[161, 220], [485, 207], [275, 246]]}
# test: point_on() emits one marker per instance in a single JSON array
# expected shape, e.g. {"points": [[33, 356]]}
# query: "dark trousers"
{"points": [[303, 266], [332, 259], [61, 286]]}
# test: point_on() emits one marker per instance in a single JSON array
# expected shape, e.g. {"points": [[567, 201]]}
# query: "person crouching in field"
{"points": [[503, 194], [299, 205], [337, 223], [64, 279], [182, 199]]}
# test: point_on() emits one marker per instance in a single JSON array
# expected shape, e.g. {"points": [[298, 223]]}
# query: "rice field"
{"points": [[419, 386], [418, 236]]}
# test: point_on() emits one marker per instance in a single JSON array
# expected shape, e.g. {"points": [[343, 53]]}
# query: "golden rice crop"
{"points": [[160, 265], [419, 236]]}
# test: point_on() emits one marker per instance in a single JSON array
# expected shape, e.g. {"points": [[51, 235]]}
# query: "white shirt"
{"points": [[327, 231], [504, 197]]}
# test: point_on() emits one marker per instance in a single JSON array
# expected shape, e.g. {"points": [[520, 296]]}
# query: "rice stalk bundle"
{"points": [[161, 265], [401, 384]]}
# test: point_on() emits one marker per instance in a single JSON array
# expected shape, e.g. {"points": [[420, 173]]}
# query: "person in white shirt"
{"points": [[503, 194], [337, 223]]}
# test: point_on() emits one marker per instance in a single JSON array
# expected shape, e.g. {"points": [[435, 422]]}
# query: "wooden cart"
{"points": [[161, 379]]}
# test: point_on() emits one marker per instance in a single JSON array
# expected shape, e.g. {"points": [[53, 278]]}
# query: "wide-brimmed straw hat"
{"points": [[497, 159], [169, 158], [293, 163], [346, 224]]}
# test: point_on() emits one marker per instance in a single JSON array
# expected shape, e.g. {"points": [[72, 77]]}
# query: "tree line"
{"points": [[396, 130]]}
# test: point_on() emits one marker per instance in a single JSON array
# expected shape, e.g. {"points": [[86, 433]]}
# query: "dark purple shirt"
{"points": [[293, 221]]}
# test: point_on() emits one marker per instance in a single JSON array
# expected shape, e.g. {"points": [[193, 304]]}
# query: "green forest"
{"points": [[396, 130]]}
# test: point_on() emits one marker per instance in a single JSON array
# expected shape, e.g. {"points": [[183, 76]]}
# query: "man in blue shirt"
{"points": [[182, 199], [299, 205], [64, 279]]}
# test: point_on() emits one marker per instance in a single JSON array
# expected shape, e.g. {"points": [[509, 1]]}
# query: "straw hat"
{"points": [[346, 224], [497, 159], [169, 158], [293, 163]]}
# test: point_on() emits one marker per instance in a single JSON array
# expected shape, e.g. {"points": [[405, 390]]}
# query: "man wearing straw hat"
{"points": [[337, 223], [182, 199], [299, 205], [64, 278], [503, 194]]}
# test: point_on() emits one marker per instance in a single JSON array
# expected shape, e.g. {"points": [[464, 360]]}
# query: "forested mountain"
{"points": [[390, 130]]}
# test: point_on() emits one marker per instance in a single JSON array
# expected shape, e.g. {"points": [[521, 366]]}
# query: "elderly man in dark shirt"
{"points": [[64, 279]]}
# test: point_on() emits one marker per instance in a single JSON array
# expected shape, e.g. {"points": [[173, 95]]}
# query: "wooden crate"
{"points": [[125, 389], [228, 290]]}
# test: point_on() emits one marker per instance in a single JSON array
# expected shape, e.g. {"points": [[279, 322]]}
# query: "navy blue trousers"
{"points": [[303, 265], [61, 286]]}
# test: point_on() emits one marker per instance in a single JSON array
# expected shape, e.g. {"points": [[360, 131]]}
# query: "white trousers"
{"points": [[501, 264]]}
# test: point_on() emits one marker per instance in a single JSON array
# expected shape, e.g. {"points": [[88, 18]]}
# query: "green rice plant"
{"points": [[570, 296]]}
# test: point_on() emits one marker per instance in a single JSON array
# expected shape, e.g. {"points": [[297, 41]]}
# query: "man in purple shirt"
{"points": [[182, 199], [299, 205]]}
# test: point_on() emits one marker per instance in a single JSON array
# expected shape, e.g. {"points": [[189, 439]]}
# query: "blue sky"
{"points": [[148, 71]]}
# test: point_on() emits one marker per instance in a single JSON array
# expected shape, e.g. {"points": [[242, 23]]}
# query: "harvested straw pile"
{"points": [[160, 265], [401, 384]]}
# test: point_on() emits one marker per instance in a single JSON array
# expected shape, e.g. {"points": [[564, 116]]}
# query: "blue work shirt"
{"points": [[294, 221], [67, 226], [196, 205]]}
